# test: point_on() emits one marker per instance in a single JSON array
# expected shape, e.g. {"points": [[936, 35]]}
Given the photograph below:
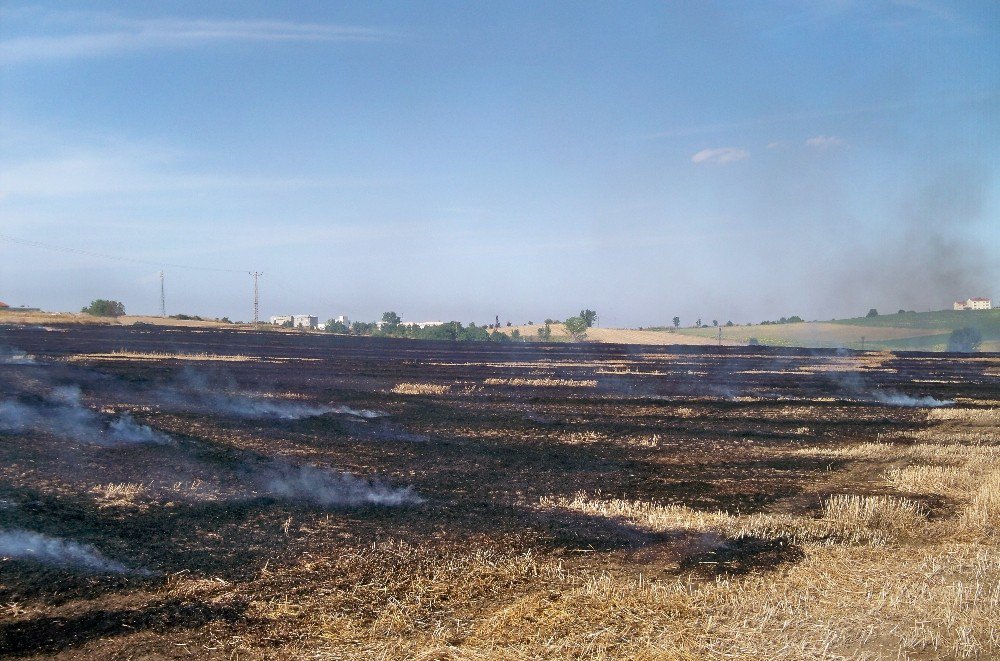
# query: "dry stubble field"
{"points": [[222, 493]]}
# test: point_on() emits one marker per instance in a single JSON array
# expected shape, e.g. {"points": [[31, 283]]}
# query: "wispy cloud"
{"points": [[81, 35], [824, 142], [720, 155]]}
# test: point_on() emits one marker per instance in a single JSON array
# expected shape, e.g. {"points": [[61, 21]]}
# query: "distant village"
{"points": [[309, 322]]}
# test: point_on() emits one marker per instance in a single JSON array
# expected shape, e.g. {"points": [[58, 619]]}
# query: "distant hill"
{"points": [[910, 331]]}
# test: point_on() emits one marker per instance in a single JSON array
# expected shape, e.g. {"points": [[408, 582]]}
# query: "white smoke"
{"points": [[855, 384], [127, 430], [327, 488], [357, 413], [12, 356], [257, 407], [64, 414], [26, 545], [899, 399], [196, 390]]}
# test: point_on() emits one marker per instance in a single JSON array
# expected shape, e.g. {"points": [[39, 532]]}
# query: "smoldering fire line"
{"points": [[60, 411], [14, 356], [855, 386], [22, 544], [893, 398], [63, 413], [315, 485], [196, 390]]}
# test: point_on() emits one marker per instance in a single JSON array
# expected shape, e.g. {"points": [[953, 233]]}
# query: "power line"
{"points": [[136, 260], [91, 253]]}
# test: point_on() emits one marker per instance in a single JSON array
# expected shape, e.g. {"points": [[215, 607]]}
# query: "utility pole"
{"points": [[163, 298], [862, 342], [256, 298], [720, 336]]}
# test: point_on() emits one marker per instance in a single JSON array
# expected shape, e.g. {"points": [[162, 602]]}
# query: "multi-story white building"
{"points": [[304, 321], [296, 320], [974, 304]]}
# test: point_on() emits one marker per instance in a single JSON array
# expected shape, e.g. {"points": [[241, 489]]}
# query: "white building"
{"points": [[422, 324], [304, 321], [974, 304], [296, 320]]}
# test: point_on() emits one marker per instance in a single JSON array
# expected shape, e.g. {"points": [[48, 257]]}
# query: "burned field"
{"points": [[179, 492]]}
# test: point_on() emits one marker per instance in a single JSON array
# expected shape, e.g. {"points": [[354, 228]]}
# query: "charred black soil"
{"points": [[448, 447]]}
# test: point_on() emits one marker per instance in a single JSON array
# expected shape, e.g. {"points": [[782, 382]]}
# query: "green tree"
{"points": [[390, 322], [362, 328], [499, 336], [965, 340], [336, 326], [753, 342], [677, 322], [545, 332], [589, 317], [475, 333], [576, 327], [104, 308], [872, 313], [715, 322]]}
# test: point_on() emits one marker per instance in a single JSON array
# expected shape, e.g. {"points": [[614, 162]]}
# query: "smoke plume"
{"points": [[196, 390], [321, 487], [63, 413], [854, 385], [26, 545], [937, 257], [893, 398]]}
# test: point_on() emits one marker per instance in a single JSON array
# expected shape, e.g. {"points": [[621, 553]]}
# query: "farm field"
{"points": [[625, 336], [222, 493], [916, 331]]}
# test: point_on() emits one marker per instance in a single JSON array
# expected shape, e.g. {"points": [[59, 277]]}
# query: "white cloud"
{"points": [[720, 155], [824, 142], [91, 35], [774, 145]]}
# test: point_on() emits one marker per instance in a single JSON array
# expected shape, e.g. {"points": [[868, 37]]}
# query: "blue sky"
{"points": [[460, 160]]}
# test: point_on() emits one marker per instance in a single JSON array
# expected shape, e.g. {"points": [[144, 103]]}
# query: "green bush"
{"points": [[104, 308], [577, 327]]}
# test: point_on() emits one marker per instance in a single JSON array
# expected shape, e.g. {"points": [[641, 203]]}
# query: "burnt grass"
{"points": [[710, 428]]}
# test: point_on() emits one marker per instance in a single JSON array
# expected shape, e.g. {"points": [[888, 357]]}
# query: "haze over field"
{"points": [[457, 161]]}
